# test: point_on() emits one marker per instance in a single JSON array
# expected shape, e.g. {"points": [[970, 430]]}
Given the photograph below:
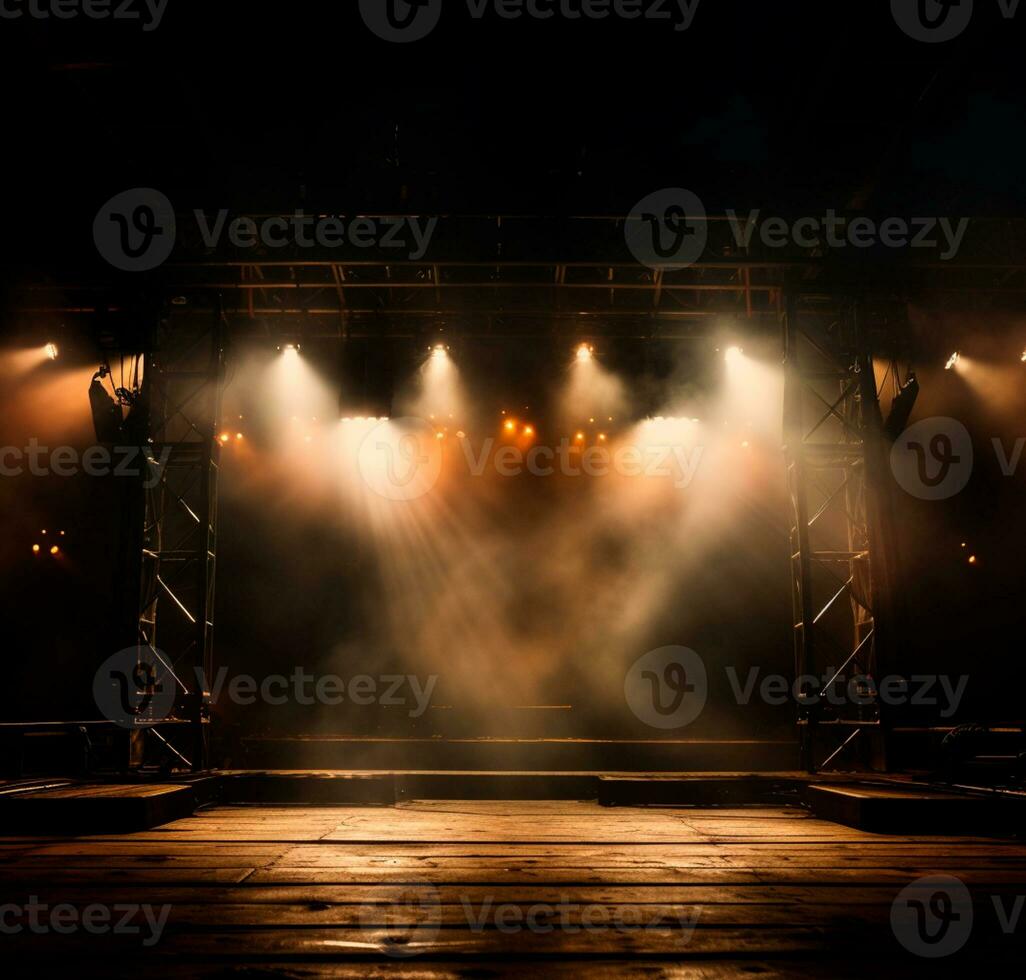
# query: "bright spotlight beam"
{"points": [[51, 351], [953, 360]]}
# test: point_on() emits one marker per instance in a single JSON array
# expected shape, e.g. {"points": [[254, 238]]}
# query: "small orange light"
{"points": [[972, 559], [238, 435], [43, 531], [602, 437], [579, 437], [509, 425], [54, 550], [223, 437], [439, 435], [528, 430], [35, 549]]}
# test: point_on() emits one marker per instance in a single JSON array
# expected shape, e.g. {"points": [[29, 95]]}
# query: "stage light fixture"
{"points": [[223, 438], [733, 353], [1022, 357], [439, 350], [55, 550], [953, 360], [51, 351], [585, 352], [509, 425], [107, 418], [901, 407], [35, 549], [528, 430]]}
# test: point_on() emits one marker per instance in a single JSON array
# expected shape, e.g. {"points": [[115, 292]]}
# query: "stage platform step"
{"points": [[609, 789], [895, 809], [83, 808], [544, 755]]}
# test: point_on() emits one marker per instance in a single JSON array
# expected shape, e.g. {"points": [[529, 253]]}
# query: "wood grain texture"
{"points": [[448, 888]]}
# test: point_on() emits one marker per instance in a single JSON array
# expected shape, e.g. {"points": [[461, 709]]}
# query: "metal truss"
{"points": [[839, 574], [183, 383], [527, 275]]}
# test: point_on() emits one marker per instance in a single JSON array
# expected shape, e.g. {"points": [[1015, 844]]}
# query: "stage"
{"points": [[432, 888]]}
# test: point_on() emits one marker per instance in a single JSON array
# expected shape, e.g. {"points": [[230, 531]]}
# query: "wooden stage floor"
{"points": [[496, 888]]}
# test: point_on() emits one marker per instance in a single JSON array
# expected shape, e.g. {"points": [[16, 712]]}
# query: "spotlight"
{"points": [[1022, 357], [972, 559], [51, 351], [733, 353], [54, 550], [439, 350], [509, 425], [288, 346], [953, 360], [238, 435], [579, 437], [223, 438], [35, 549], [528, 430], [602, 437], [584, 352]]}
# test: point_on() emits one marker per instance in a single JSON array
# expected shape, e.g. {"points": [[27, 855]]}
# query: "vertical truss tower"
{"points": [[183, 383], [840, 570]]}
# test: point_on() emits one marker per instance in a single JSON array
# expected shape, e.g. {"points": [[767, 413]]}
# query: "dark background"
{"points": [[792, 107]]}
